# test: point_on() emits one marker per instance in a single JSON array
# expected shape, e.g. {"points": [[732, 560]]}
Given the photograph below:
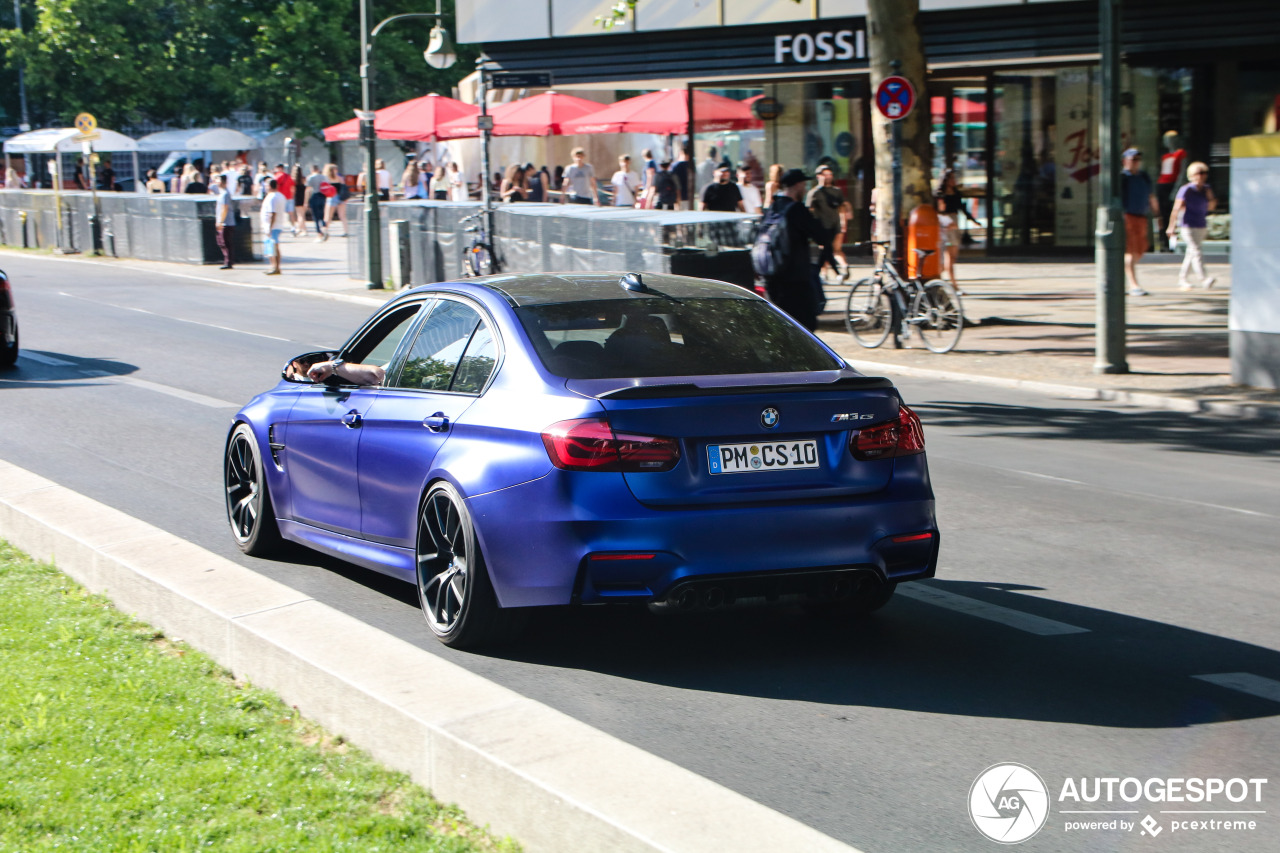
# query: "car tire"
{"points": [[9, 352], [249, 510], [866, 598], [454, 589]]}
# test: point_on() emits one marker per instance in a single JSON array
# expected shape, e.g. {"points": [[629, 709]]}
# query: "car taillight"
{"points": [[901, 437], [5, 290], [590, 444]]}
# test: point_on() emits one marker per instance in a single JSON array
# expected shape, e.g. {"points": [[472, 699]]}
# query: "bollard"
{"points": [[95, 233], [398, 237], [22, 219], [923, 233]]}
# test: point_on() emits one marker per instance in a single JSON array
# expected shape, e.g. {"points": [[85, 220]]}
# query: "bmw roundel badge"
{"points": [[769, 418]]}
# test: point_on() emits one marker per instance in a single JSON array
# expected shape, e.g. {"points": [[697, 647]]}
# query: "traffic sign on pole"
{"points": [[86, 123], [895, 97]]}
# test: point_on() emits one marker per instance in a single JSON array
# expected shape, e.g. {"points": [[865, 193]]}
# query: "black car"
{"points": [[9, 353]]}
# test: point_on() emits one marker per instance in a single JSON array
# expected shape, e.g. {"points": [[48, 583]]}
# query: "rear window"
{"points": [[619, 338]]}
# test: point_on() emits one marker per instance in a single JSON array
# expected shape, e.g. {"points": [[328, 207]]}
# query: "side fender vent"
{"points": [[276, 447]]}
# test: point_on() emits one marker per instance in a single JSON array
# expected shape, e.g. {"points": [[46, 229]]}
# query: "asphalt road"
{"points": [[1096, 566]]}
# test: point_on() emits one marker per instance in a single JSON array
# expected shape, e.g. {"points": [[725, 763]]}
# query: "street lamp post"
{"points": [[1109, 332], [439, 54]]}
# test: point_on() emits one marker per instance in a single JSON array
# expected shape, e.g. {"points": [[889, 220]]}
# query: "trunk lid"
{"points": [[752, 439]]}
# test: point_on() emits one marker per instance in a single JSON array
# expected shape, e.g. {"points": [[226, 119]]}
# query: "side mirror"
{"points": [[295, 369]]}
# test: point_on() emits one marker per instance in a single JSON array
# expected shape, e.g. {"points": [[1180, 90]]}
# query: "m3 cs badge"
{"points": [[851, 416]]}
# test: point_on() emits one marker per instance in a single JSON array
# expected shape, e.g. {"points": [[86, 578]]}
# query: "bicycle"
{"points": [[879, 303], [477, 256]]}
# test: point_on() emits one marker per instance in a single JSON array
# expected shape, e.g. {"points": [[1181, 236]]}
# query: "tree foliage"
{"points": [[187, 62]]}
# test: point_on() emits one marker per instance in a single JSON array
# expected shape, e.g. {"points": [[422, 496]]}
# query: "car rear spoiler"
{"points": [[692, 389]]}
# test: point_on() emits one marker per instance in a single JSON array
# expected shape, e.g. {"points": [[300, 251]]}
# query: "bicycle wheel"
{"points": [[937, 316], [868, 315]]}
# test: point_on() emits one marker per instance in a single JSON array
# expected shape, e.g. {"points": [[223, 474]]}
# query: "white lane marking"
{"points": [[1169, 498], [167, 317], [45, 359], [1046, 476], [1245, 682], [189, 396], [300, 291], [991, 612]]}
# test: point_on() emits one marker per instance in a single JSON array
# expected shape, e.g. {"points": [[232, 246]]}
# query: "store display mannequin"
{"points": [[1172, 174]]}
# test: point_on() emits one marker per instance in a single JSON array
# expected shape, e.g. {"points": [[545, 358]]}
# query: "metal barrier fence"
{"points": [[176, 228], [562, 238]]}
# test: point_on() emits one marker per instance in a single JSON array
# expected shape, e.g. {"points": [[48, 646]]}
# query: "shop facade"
{"points": [[1012, 89]]}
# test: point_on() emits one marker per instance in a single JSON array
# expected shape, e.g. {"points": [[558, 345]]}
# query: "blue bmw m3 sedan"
{"points": [[518, 441]]}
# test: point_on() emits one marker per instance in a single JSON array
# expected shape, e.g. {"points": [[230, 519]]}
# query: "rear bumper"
{"points": [[539, 539]]}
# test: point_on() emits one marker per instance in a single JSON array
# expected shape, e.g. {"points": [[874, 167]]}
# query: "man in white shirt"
{"points": [[626, 183], [224, 219], [273, 219]]}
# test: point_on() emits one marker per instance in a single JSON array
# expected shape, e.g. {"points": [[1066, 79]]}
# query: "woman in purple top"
{"points": [[1192, 206]]}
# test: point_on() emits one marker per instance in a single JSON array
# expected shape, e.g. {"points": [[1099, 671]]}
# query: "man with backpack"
{"points": [[781, 252], [664, 192]]}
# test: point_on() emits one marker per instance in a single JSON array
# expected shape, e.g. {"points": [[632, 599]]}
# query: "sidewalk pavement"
{"points": [[1034, 327]]}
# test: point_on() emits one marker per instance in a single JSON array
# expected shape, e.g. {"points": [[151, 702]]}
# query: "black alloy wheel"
{"points": [[454, 589], [249, 511], [9, 351]]}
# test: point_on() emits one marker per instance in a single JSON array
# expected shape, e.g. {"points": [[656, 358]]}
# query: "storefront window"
{"points": [[1024, 165], [959, 139], [816, 124]]}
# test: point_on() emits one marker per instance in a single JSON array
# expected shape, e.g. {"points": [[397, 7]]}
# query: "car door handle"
{"points": [[353, 419], [436, 423]]}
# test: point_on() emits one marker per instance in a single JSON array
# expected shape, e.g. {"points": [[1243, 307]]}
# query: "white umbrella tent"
{"points": [[67, 140], [210, 142], [198, 139]]}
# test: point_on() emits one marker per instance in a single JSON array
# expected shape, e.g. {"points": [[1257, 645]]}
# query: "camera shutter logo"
{"points": [[1008, 803]]}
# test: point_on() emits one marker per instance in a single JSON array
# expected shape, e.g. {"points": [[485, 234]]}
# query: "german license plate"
{"points": [[762, 456]]}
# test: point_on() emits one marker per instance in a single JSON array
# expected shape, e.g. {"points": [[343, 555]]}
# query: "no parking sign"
{"points": [[895, 97]]}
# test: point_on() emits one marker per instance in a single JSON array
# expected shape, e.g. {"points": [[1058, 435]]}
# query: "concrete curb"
{"points": [[525, 769], [1150, 400]]}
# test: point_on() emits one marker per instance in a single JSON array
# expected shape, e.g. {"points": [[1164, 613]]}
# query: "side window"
{"points": [[439, 346], [477, 362], [378, 345]]}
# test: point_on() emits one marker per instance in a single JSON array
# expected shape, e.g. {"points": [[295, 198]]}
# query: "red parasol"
{"points": [[541, 115], [667, 112], [418, 119]]}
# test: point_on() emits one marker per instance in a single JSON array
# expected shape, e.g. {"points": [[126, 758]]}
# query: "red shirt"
{"points": [[284, 184], [1171, 166]]}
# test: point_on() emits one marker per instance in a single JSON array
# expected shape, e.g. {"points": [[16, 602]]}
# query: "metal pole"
{"points": [[895, 126], [25, 121], [1109, 236], [57, 203], [95, 219], [486, 194], [368, 134]]}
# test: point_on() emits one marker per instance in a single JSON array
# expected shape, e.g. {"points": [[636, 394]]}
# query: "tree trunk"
{"points": [[892, 34]]}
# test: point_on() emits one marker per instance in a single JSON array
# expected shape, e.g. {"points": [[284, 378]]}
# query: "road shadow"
{"points": [[1126, 672], [1175, 430], [41, 369]]}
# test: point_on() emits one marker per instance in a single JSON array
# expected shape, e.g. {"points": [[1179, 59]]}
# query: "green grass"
{"points": [[115, 738]]}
